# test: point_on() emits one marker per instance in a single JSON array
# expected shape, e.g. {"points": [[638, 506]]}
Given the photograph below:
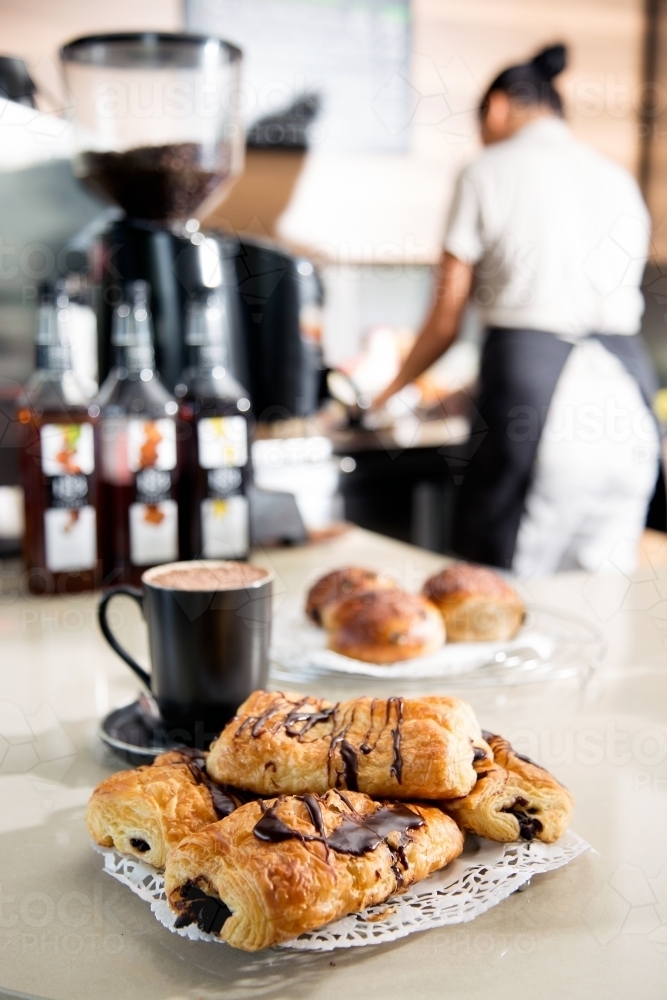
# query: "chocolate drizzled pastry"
{"points": [[147, 811], [513, 799], [161, 183], [405, 748], [276, 869]]}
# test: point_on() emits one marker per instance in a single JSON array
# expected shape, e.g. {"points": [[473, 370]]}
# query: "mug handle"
{"points": [[138, 596]]}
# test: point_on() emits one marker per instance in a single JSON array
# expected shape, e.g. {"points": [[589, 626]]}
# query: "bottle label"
{"points": [[68, 458], [70, 537], [223, 442], [153, 519], [151, 444], [225, 527], [153, 532], [67, 449]]}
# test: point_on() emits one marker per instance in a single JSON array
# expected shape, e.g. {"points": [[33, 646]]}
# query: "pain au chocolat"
{"points": [[275, 869], [513, 799], [384, 626], [476, 604], [341, 584], [404, 748], [147, 812]]}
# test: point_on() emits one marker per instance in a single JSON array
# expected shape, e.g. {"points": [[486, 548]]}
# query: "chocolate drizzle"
{"points": [[271, 828], [365, 746], [351, 772], [529, 825], [355, 835], [198, 907], [397, 763], [343, 796], [315, 813], [224, 802], [309, 717], [300, 718], [258, 722]]}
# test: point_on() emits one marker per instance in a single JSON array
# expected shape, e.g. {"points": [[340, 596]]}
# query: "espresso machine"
{"points": [[158, 136]]}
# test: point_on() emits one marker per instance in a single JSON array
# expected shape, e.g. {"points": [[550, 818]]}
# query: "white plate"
{"points": [[550, 645]]}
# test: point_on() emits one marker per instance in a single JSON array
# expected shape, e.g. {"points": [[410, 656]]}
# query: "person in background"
{"points": [[549, 239]]}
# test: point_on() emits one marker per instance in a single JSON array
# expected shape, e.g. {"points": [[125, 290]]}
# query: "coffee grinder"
{"points": [[157, 135]]}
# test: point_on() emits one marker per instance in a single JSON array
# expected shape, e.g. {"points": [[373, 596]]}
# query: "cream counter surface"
{"points": [[595, 929]]}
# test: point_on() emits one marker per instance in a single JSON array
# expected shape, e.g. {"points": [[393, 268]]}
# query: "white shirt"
{"points": [[558, 234]]}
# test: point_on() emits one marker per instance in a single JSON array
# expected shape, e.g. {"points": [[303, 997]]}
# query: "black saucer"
{"points": [[134, 736]]}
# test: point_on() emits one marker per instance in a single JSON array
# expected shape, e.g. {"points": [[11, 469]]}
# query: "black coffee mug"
{"points": [[209, 649]]}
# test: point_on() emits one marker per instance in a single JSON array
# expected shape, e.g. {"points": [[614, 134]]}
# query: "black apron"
{"points": [[519, 372]]}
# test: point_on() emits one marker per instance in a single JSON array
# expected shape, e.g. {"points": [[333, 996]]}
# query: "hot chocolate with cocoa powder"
{"points": [[201, 576]]}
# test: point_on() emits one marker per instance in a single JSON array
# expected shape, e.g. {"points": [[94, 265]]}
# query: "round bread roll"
{"points": [[341, 584], [385, 626], [476, 604]]}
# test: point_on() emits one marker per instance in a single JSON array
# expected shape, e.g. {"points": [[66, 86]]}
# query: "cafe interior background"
{"points": [[321, 255], [358, 200]]}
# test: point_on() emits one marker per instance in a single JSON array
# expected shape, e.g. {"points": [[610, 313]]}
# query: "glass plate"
{"points": [[551, 645]]}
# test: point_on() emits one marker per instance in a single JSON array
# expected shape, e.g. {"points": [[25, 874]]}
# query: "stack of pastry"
{"points": [[305, 810], [369, 618]]}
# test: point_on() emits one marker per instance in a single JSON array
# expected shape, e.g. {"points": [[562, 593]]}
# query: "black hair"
{"points": [[530, 83]]}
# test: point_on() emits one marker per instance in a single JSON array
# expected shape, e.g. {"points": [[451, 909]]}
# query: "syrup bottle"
{"points": [[215, 456], [57, 463], [137, 447]]}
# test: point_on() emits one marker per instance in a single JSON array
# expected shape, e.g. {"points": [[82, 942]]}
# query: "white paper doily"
{"points": [[484, 875], [550, 645]]}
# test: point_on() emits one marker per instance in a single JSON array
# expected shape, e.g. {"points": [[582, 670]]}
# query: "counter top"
{"points": [[597, 928]]}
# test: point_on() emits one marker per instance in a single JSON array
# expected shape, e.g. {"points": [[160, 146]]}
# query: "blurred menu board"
{"points": [[352, 54]]}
